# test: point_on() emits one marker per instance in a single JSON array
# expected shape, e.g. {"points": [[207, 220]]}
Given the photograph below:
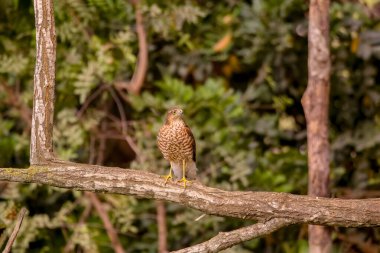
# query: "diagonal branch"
{"points": [[20, 218], [239, 204], [225, 240], [69, 247], [112, 233]]}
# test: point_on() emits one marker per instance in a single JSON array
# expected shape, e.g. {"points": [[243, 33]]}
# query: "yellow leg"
{"points": [[170, 175], [184, 180]]}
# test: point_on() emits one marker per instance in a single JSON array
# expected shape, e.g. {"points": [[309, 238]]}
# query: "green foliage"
{"points": [[238, 69]]}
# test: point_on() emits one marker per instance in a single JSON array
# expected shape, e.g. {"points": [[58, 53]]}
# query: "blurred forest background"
{"points": [[238, 68]]}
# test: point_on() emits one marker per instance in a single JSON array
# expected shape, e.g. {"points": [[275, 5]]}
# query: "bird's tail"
{"points": [[191, 170]]}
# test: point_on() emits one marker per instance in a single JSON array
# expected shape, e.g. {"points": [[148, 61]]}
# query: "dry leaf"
{"points": [[223, 43]]}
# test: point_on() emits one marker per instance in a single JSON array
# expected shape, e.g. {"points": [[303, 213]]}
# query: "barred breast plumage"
{"points": [[177, 144]]}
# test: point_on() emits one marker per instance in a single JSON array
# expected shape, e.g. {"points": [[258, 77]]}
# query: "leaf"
{"points": [[223, 43]]}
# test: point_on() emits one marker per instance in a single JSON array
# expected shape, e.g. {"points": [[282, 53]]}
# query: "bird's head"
{"points": [[173, 115]]}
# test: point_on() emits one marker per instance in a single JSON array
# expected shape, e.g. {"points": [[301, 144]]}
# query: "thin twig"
{"points": [[91, 98], [102, 146], [162, 227], [111, 231], [87, 211], [225, 240], [121, 111], [124, 124], [20, 218], [112, 234]]}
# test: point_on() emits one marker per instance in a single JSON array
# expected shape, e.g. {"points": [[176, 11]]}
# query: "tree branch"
{"points": [[137, 81], [69, 247], [20, 218], [112, 233], [142, 66], [225, 240], [315, 102], [41, 143], [162, 227], [245, 205]]}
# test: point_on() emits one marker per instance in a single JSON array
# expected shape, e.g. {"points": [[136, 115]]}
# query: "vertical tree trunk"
{"points": [[315, 102], [41, 145], [162, 227]]}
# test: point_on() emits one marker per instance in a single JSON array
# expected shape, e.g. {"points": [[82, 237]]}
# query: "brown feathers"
{"points": [[175, 139]]}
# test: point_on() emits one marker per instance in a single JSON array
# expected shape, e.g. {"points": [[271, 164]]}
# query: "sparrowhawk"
{"points": [[177, 144]]}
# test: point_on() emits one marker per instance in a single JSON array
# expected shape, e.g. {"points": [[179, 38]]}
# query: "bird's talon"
{"points": [[167, 177], [184, 180]]}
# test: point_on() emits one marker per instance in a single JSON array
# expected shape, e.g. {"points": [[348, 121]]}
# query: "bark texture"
{"points": [[162, 227], [315, 103], [260, 206], [12, 238], [41, 145], [225, 240]]}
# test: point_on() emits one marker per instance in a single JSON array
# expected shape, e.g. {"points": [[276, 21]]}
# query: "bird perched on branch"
{"points": [[177, 144]]}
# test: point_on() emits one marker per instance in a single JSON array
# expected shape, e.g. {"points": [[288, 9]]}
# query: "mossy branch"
{"points": [[261, 206]]}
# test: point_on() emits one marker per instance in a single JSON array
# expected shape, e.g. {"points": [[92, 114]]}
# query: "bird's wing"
{"points": [[161, 143], [190, 134]]}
